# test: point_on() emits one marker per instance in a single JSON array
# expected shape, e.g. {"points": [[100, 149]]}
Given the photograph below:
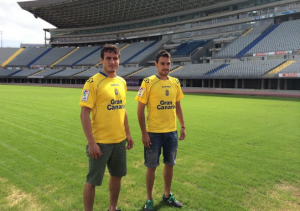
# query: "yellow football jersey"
{"points": [[160, 96], [107, 98]]}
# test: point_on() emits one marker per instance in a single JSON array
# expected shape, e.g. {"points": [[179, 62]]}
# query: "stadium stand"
{"points": [[52, 56], [77, 56], [254, 69], [293, 68], [26, 57], [7, 72], [6, 53], [48, 72], [25, 72], [185, 49], [194, 70], [147, 72], [241, 42], [133, 50], [285, 37], [68, 72], [88, 73]]}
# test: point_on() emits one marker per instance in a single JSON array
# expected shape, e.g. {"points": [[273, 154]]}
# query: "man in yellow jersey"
{"points": [[104, 94], [161, 94]]}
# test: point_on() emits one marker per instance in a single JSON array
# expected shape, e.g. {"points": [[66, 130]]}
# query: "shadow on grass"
{"points": [[159, 206]]}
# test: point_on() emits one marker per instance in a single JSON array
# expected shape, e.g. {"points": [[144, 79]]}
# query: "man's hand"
{"points": [[182, 134], [129, 142], [146, 140], [95, 151]]}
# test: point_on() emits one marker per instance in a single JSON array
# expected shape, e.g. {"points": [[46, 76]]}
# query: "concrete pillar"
{"points": [[236, 83], [208, 83], [285, 84], [220, 83], [214, 83], [202, 83], [262, 83], [191, 83], [243, 83], [278, 84], [184, 83], [269, 87]]}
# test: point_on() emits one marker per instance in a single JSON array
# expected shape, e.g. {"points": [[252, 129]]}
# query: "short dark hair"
{"points": [[162, 53], [109, 48]]}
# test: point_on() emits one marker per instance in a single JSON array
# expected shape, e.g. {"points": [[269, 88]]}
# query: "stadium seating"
{"points": [[77, 55], [293, 68], [152, 70], [25, 72], [53, 56], [7, 72], [284, 37], [5, 53], [133, 49], [88, 73], [47, 72], [248, 69], [232, 49], [26, 57], [194, 70], [185, 49], [68, 72]]}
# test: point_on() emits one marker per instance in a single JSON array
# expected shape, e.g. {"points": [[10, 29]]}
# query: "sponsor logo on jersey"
{"points": [[90, 80], [85, 95], [163, 105], [115, 105], [141, 92]]}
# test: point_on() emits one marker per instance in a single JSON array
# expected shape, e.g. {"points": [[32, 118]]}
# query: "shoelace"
{"points": [[172, 198]]}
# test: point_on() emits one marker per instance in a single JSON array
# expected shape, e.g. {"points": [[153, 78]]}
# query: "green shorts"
{"points": [[114, 156]]}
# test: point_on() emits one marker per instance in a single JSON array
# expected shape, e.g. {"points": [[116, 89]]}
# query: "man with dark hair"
{"points": [[104, 94], [161, 94]]}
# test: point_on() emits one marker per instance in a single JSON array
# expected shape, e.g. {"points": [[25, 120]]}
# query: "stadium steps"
{"points": [[141, 51], [15, 73], [177, 68], [62, 58], [86, 56], [40, 56], [143, 68], [247, 32], [12, 57], [256, 41], [217, 69], [37, 73], [125, 46], [279, 68]]}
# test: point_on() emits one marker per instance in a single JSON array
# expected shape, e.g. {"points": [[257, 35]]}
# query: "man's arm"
{"points": [[127, 130], [141, 117], [94, 149], [179, 114]]}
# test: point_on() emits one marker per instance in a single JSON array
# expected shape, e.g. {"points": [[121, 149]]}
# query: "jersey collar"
{"points": [[160, 78], [102, 73]]}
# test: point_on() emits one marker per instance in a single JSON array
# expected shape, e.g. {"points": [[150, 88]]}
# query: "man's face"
{"points": [[110, 62], [163, 66]]}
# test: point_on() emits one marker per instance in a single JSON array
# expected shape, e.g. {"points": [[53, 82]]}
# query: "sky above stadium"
{"points": [[19, 26]]}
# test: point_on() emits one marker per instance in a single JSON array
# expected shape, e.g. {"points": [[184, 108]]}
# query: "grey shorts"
{"points": [[114, 156]]}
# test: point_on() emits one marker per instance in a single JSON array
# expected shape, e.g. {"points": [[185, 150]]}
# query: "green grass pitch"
{"points": [[240, 153]]}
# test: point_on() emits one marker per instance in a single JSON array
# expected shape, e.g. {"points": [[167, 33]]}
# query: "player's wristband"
{"points": [[183, 127]]}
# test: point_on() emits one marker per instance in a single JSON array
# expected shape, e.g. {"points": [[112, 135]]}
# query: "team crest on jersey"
{"points": [[141, 92], [90, 80], [85, 95], [167, 92], [116, 91]]}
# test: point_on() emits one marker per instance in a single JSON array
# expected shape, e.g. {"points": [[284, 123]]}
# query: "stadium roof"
{"points": [[90, 13]]}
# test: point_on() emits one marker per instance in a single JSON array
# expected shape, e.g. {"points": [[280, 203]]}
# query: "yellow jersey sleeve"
{"points": [[179, 92]]}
